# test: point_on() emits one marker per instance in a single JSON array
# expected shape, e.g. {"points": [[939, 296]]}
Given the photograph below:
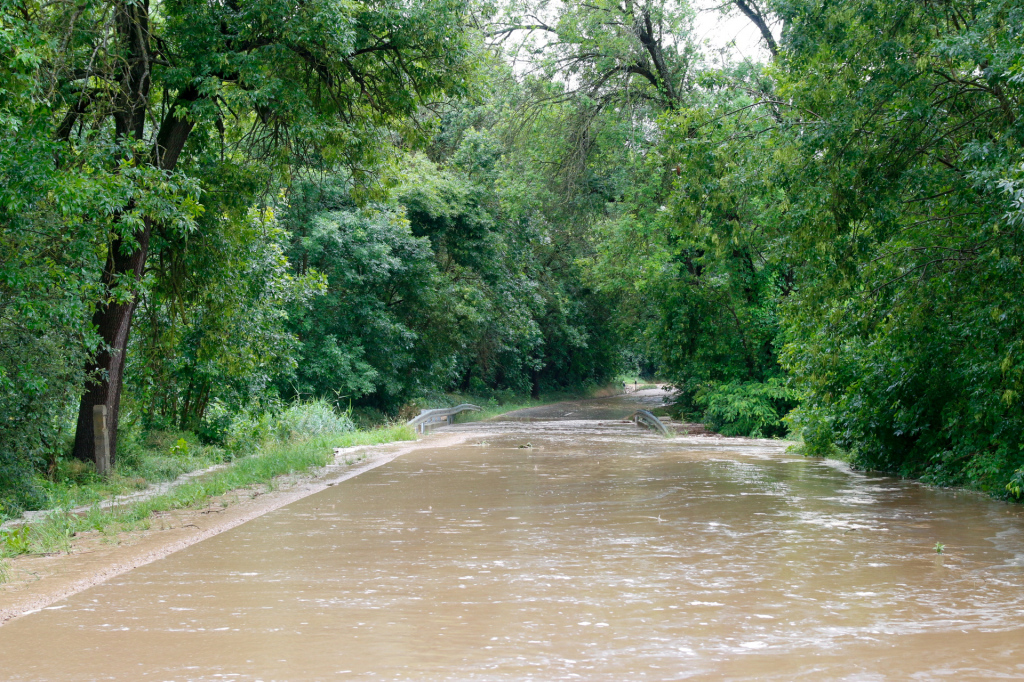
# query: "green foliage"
{"points": [[746, 409], [213, 322], [1016, 485], [87, 179], [252, 430], [904, 216], [814, 430], [46, 268], [693, 247], [382, 287], [611, 52], [15, 541], [459, 281], [853, 212], [840, 229], [152, 456], [311, 418]]}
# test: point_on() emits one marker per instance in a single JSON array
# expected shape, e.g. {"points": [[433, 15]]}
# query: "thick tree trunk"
{"points": [[113, 319], [113, 322]]}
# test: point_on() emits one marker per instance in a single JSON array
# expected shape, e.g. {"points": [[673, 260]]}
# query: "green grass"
{"points": [[262, 468], [54, 533], [154, 457]]}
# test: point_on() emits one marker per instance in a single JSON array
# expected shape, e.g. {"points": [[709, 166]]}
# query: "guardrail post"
{"points": [[101, 439]]}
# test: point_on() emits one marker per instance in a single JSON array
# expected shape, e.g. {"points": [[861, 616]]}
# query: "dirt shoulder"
{"points": [[37, 581]]}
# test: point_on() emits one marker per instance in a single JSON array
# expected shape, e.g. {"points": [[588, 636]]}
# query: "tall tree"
{"points": [[903, 153], [136, 84]]}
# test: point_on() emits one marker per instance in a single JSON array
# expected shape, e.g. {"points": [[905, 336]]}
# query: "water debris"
{"points": [[939, 547]]}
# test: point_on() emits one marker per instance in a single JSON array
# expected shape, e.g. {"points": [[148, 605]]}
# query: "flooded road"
{"points": [[568, 549]]}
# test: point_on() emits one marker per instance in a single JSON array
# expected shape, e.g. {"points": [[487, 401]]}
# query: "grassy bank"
{"points": [[53, 533]]}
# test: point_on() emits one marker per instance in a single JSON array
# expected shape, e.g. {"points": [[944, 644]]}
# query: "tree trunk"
{"points": [[113, 320]]}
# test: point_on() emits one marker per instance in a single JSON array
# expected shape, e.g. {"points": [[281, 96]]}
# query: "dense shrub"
{"points": [[746, 409]]}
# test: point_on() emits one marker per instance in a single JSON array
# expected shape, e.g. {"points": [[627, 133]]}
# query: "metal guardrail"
{"points": [[446, 415], [652, 421]]}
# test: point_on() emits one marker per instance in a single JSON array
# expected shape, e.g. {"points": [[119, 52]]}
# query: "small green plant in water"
{"points": [[5, 571], [1016, 485], [939, 547], [16, 541]]}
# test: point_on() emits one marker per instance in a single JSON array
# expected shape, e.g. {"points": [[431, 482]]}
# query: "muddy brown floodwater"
{"points": [[597, 552]]}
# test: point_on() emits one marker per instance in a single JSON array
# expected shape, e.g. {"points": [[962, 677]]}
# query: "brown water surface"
{"points": [[600, 552]]}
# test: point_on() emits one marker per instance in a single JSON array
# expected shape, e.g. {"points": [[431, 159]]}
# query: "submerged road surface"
{"points": [[567, 547]]}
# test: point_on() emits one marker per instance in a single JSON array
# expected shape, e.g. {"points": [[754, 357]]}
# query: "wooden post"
{"points": [[101, 438]]}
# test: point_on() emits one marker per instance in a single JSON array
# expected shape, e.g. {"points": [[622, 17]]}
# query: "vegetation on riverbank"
{"points": [[289, 446], [54, 532]]}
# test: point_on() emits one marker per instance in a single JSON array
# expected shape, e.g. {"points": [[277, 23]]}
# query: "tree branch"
{"points": [[754, 14]]}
